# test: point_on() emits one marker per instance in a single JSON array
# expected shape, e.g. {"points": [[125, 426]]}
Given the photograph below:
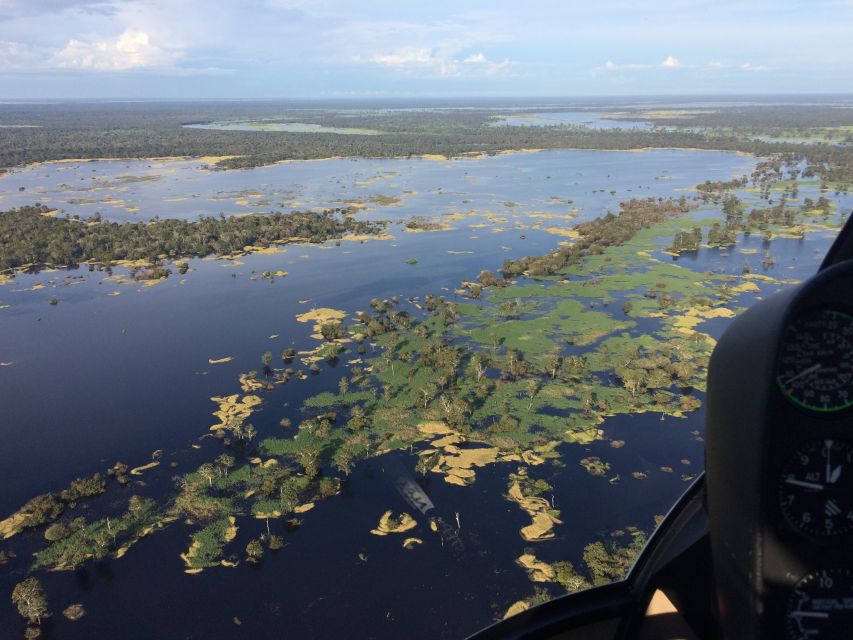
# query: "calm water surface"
{"points": [[99, 378]]}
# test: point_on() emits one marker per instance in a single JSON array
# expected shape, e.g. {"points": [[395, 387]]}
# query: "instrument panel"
{"points": [[808, 576], [815, 368], [779, 463]]}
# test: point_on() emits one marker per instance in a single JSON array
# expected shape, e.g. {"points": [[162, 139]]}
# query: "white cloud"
{"points": [[406, 57], [15, 55], [435, 62], [748, 66], [613, 66], [671, 62], [131, 50]]}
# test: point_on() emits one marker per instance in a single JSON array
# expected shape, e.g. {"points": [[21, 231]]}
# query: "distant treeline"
{"points": [[760, 118], [596, 235], [29, 237], [140, 130]]}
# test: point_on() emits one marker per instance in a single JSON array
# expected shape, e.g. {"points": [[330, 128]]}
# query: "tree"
{"points": [[357, 420], [568, 578], [532, 390], [553, 362], [456, 412], [266, 358], [56, 531], [478, 365], [225, 462], [309, 458], [254, 551], [342, 460], [427, 392], [208, 472], [289, 495], [31, 600], [427, 463], [332, 330]]}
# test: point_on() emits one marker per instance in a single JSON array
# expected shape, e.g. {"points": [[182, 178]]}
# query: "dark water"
{"points": [[98, 378]]}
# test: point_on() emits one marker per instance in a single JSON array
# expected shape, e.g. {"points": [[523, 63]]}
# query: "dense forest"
{"points": [[30, 237], [34, 133], [758, 118], [596, 235]]}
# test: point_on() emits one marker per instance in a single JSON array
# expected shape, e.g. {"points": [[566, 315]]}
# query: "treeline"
{"points": [[30, 237], [758, 220], [596, 235], [761, 119], [143, 130], [713, 190]]}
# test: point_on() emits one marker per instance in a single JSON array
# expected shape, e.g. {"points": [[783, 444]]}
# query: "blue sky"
{"points": [[432, 48]]}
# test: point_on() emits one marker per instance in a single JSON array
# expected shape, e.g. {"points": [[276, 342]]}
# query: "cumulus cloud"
{"points": [[14, 55], [748, 66], [742, 66], [406, 57], [131, 50], [671, 62], [613, 66], [435, 62]]}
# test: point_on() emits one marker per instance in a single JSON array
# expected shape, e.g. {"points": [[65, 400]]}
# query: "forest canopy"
{"points": [[29, 236], [37, 133]]}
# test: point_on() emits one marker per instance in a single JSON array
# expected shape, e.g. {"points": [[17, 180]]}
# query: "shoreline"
{"points": [[436, 157]]}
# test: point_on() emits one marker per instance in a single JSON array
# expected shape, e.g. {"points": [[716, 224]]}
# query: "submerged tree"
{"points": [[225, 462], [254, 551], [31, 600]]}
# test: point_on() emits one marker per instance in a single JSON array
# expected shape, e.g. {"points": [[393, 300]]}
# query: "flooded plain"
{"points": [[117, 370]]}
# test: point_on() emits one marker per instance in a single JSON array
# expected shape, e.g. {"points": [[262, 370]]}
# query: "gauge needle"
{"points": [[828, 457], [836, 473], [805, 372], [809, 614], [804, 484]]}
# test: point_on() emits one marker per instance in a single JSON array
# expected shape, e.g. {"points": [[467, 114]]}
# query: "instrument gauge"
{"points": [[820, 606], [815, 369], [816, 488]]}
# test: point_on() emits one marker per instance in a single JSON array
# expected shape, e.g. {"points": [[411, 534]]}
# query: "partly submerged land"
{"points": [[504, 378], [518, 371]]}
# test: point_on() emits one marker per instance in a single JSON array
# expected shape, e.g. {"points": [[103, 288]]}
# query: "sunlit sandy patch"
{"points": [[537, 570], [320, 317], [137, 471], [537, 508], [389, 524], [516, 608], [232, 408], [562, 231], [411, 543]]}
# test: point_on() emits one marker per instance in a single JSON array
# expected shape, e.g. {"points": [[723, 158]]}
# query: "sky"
{"points": [[209, 49]]}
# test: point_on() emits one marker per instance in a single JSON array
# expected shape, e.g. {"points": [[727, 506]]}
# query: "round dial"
{"points": [[821, 606], [816, 488], [816, 362]]}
